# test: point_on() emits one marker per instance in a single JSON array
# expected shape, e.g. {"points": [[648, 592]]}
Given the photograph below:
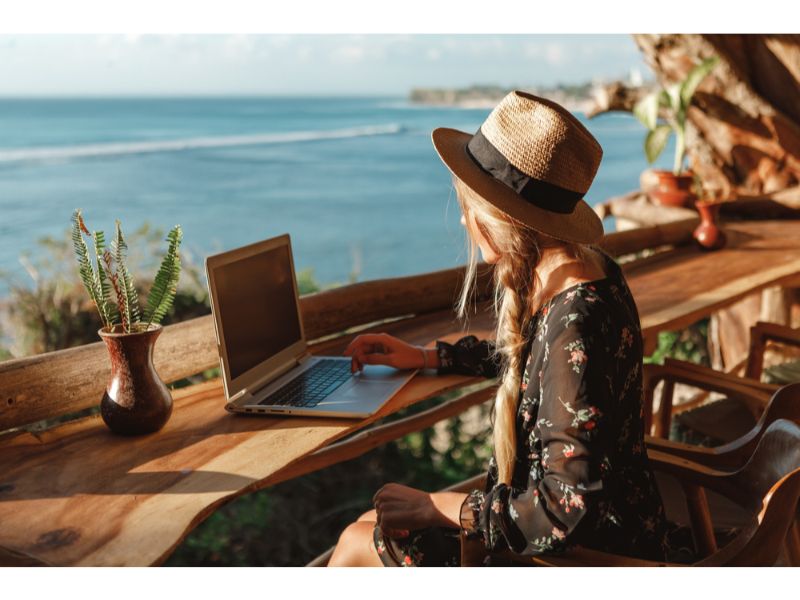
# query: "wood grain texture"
{"points": [[689, 284], [78, 495]]}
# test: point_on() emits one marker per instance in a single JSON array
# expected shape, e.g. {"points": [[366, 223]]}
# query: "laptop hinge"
{"points": [[245, 396]]}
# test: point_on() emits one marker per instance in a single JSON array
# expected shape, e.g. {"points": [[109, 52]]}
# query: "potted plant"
{"points": [[136, 400], [674, 188]]}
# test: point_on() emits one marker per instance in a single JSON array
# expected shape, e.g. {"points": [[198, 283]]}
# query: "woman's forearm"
{"points": [[446, 508]]}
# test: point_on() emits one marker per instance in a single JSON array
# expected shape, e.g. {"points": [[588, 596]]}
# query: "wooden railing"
{"points": [[65, 381]]}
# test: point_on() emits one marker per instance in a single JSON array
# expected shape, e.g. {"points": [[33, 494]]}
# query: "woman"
{"points": [[569, 464]]}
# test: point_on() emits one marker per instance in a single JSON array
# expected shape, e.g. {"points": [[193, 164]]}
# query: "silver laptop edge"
{"points": [[360, 396]]}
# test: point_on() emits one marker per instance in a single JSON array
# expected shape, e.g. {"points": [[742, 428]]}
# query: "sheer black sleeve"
{"points": [[468, 356], [573, 421]]}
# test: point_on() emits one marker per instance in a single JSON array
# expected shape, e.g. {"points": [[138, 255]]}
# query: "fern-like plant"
{"points": [[109, 272]]}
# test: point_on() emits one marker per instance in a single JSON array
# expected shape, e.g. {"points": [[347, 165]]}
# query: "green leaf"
{"points": [[85, 268], [129, 301], [694, 78], [165, 284], [646, 110], [655, 142], [671, 96], [102, 282]]}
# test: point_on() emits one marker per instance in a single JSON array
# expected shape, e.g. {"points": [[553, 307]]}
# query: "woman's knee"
{"points": [[355, 547], [370, 515]]}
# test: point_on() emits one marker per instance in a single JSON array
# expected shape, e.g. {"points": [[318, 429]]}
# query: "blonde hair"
{"points": [[517, 297]]}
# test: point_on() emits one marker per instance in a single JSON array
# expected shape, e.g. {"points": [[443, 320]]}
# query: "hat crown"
{"points": [[544, 140]]}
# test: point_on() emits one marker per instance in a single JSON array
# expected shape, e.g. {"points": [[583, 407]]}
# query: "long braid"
{"points": [[517, 296]]}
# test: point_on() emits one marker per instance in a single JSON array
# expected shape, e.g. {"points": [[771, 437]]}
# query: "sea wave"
{"points": [[59, 153]]}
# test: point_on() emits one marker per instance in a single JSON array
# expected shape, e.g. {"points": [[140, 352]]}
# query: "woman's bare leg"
{"points": [[355, 547]]}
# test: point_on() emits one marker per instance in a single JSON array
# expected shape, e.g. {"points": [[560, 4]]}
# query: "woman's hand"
{"points": [[385, 349], [401, 508]]}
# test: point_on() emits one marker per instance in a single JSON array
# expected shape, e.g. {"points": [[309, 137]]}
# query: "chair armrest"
{"points": [[586, 557], [473, 552], [722, 377], [754, 394], [679, 371], [760, 334], [703, 455]]}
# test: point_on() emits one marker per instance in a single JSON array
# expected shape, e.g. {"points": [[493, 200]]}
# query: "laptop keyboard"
{"points": [[311, 386]]}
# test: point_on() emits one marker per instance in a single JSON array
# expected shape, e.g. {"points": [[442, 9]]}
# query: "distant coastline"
{"points": [[576, 98]]}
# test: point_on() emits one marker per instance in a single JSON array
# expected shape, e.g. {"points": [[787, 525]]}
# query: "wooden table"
{"points": [[681, 286], [78, 495]]}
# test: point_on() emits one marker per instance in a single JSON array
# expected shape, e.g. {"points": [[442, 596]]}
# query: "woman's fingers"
{"points": [[395, 515], [391, 491], [397, 533], [376, 340]]}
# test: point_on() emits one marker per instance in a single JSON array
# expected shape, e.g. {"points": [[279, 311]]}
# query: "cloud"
{"points": [[433, 54], [349, 54], [238, 46], [554, 54], [304, 53], [532, 50]]}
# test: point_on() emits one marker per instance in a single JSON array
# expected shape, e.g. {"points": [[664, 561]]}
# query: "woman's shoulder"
{"points": [[595, 305]]}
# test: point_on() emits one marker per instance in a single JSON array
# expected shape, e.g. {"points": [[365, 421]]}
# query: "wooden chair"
{"points": [[761, 333], [733, 386], [767, 486], [753, 394]]}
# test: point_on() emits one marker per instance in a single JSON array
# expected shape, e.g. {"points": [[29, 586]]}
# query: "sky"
{"points": [[303, 64]]}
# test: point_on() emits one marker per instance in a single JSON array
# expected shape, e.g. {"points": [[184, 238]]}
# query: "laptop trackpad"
{"points": [[375, 382]]}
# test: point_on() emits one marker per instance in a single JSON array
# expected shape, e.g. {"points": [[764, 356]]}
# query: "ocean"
{"points": [[354, 181]]}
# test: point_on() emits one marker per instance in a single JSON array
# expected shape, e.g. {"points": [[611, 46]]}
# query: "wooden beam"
{"points": [[675, 233]]}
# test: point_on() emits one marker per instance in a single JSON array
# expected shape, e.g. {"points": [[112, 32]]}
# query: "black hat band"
{"points": [[539, 193]]}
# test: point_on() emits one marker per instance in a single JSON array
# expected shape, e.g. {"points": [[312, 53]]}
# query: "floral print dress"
{"points": [[581, 474]]}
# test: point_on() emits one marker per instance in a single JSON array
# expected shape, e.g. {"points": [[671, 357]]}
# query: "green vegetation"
{"points": [[690, 344], [110, 271], [50, 310]]}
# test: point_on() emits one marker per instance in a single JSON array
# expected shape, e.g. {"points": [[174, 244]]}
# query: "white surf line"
{"points": [[45, 153]]}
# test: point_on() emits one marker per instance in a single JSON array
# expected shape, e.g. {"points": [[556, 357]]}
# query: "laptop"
{"points": [[264, 360]]}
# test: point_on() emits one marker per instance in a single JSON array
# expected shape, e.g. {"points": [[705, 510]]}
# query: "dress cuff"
{"points": [[471, 509], [447, 358]]}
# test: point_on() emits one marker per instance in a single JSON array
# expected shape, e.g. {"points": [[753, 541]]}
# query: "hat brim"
{"points": [[582, 225]]}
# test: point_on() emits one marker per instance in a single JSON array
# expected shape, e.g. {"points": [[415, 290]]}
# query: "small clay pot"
{"points": [[673, 190], [708, 235], [136, 401]]}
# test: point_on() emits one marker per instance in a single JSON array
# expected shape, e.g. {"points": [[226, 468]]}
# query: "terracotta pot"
{"points": [[673, 190], [708, 235], [136, 401]]}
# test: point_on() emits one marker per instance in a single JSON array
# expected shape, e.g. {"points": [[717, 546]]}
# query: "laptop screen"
{"points": [[256, 304]]}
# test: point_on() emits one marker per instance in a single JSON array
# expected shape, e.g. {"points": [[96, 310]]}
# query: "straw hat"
{"points": [[533, 160]]}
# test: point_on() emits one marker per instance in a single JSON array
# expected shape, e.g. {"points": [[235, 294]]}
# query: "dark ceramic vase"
{"points": [[136, 401], [708, 235], [673, 190]]}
